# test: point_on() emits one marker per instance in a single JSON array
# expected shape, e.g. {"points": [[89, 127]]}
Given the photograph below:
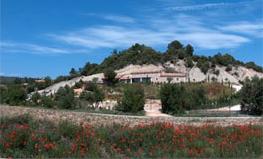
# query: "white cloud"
{"points": [[207, 6], [119, 18], [30, 48], [113, 17], [253, 29], [157, 31]]}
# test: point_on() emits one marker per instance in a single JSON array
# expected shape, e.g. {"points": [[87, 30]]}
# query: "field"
{"points": [[34, 132], [23, 136]]}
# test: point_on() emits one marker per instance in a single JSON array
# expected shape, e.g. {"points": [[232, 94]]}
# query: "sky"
{"points": [[48, 37]]}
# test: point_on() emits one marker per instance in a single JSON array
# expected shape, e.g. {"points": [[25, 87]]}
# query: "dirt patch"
{"points": [[105, 119]]}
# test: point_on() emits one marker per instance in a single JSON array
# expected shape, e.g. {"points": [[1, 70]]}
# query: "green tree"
{"points": [[189, 62], [110, 76], [175, 48], [65, 98], [35, 99], [92, 94], [132, 100], [73, 73], [171, 98], [3, 94], [16, 95], [89, 69], [252, 96], [189, 50], [47, 101]]}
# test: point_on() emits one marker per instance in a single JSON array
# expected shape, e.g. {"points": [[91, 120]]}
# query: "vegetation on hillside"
{"points": [[139, 54], [132, 99], [177, 98], [24, 137], [252, 96]]}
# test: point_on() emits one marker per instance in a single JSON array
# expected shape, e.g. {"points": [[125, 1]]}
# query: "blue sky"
{"points": [[48, 37]]}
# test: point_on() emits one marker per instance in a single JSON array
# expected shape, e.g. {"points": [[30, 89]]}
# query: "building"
{"points": [[153, 77]]}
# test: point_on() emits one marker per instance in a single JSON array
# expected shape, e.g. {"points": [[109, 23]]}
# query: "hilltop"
{"points": [[222, 68]]}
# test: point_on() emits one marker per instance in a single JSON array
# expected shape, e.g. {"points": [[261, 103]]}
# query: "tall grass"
{"points": [[24, 137]]}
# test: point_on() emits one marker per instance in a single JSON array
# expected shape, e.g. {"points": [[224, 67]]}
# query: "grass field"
{"points": [[24, 137]]}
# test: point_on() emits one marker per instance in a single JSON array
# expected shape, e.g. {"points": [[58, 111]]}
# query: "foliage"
{"points": [[136, 54], [171, 96], [65, 98], [47, 102], [132, 99], [92, 94], [203, 64], [35, 99], [110, 76], [13, 95], [24, 137], [73, 73], [252, 65], [189, 62], [177, 98], [252, 96], [89, 69], [229, 68], [189, 50]]}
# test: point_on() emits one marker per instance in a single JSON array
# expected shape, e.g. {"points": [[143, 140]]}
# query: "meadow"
{"points": [[25, 137]]}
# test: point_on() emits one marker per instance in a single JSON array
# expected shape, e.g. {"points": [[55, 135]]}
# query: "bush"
{"points": [[92, 94], [171, 97], [252, 96], [132, 99], [110, 76], [228, 68], [65, 98], [47, 101], [15, 95], [189, 63], [35, 99]]}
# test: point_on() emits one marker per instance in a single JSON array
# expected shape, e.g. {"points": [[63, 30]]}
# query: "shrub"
{"points": [[189, 63], [171, 97], [110, 76], [252, 96], [65, 98], [35, 99], [132, 99], [92, 94], [16, 95], [47, 101], [229, 68]]}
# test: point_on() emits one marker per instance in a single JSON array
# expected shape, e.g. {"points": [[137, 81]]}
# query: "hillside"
{"points": [[221, 68], [140, 54]]}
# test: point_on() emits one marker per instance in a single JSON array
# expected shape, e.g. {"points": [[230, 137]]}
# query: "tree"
{"points": [[16, 95], [177, 98], [48, 81], [189, 50], [3, 94], [173, 49], [110, 76], [73, 73], [171, 98], [132, 100], [189, 63], [252, 96], [35, 98], [92, 94], [89, 69], [65, 98], [47, 101]]}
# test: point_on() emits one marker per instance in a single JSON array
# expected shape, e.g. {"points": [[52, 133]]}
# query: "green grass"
{"points": [[24, 137]]}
